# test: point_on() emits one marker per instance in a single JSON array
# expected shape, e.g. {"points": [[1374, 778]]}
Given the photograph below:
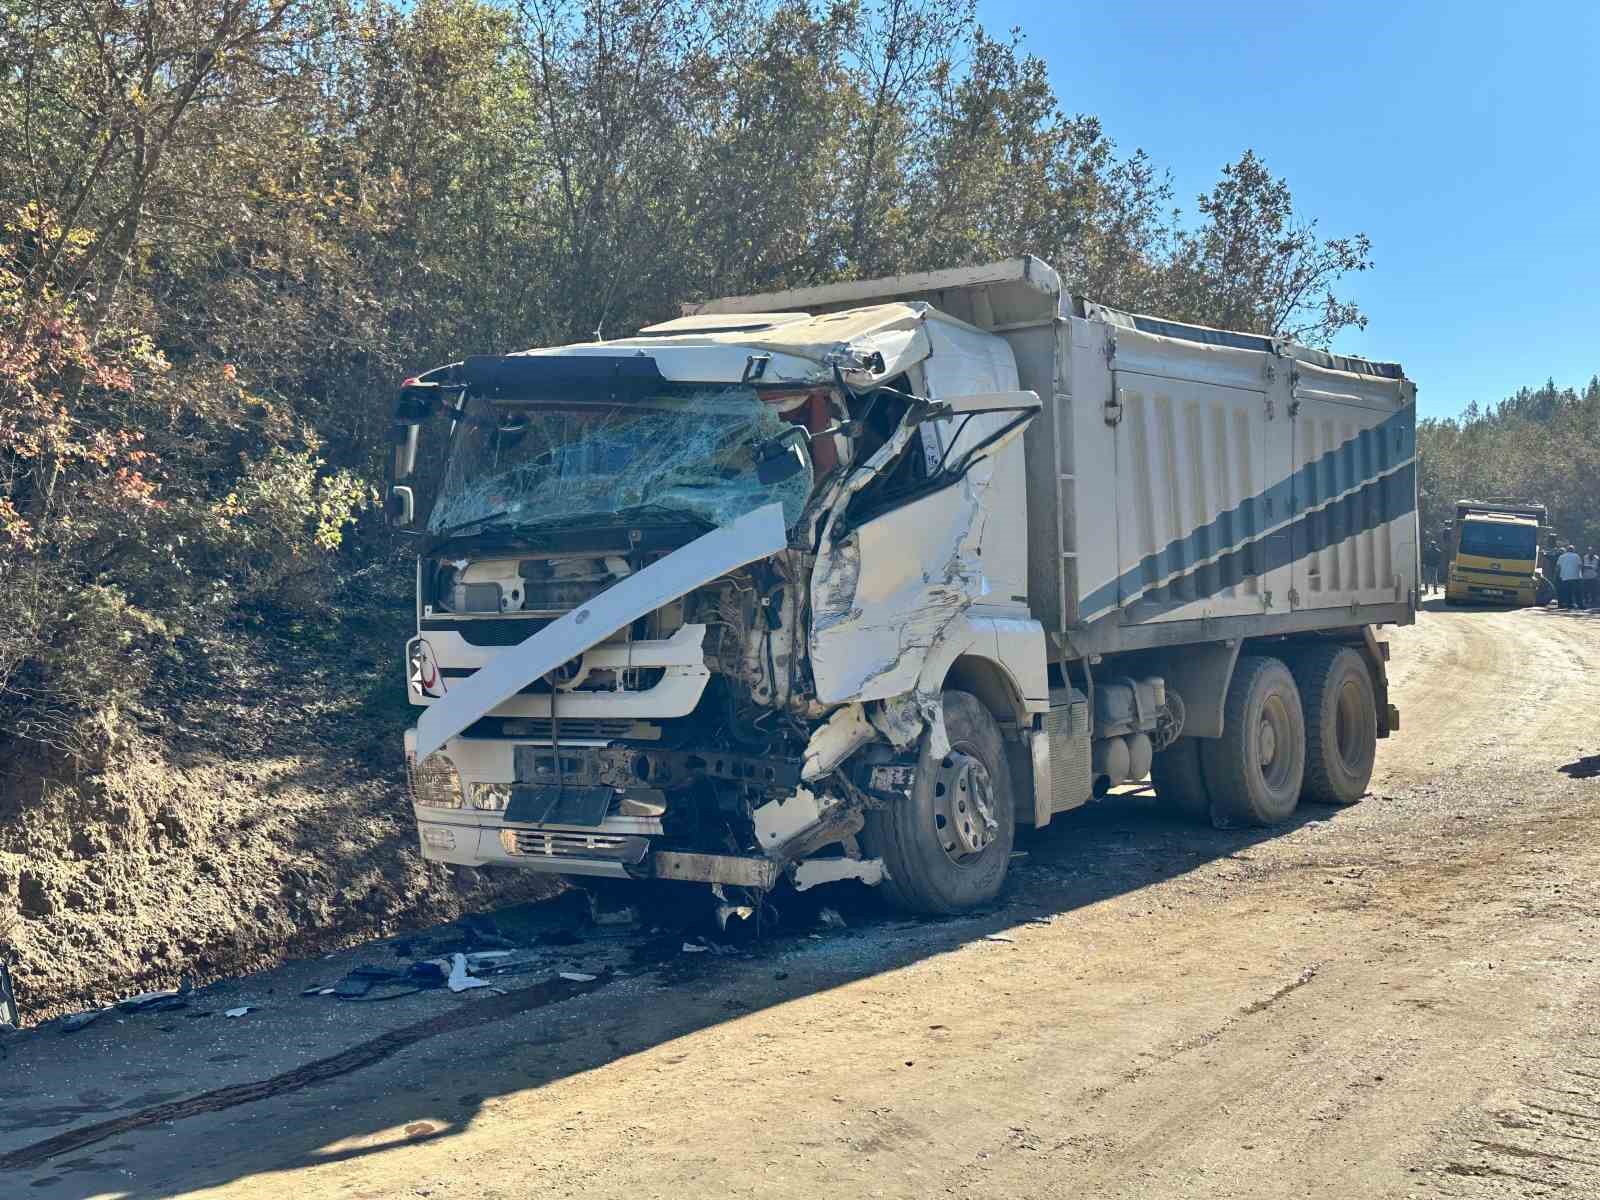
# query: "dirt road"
{"points": [[1399, 999]]}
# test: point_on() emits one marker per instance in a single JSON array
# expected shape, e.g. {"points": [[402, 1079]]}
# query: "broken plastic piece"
{"points": [[691, 948], [830, 870], [578, 977], [78, 1021], [240, 1011], [10, 1017], [159, 1001], [459, 980]]}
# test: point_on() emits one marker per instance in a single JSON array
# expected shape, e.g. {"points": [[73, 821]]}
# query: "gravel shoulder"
{"points": [[1396, 999]]}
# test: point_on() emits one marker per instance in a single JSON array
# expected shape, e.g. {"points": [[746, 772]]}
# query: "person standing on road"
{"points": [[1569, 573], [1432, 561], [1591, 579]]}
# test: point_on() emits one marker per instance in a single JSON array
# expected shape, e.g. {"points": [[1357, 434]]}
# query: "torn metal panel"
{"points": [[880, 340], [871, 629], [898, 719], [846, 731], [740, 870], [753, 536], [778, 822], [813, 871]]}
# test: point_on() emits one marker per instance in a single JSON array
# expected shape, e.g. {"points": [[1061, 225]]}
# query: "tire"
{"points": [[1341, 712], [1255, 770], [1178, 780], [924, 876]]}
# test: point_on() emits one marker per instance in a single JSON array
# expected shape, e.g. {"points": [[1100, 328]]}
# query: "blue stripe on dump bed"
{"points": [[1346, 469]]}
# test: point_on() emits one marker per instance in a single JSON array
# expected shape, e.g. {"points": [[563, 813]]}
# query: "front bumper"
{"points": [[616, 846], [1472, 591], [555, 849]]}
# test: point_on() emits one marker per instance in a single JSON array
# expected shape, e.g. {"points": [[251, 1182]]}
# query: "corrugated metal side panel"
{"points": [[1355, 489], [1190, 478], [1226, 481], [1181, 453]]}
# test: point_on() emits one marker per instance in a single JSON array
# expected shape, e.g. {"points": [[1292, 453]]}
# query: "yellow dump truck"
{"points": [[1494, 553]]}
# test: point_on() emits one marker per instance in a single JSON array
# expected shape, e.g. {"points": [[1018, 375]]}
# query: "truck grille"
{"points": [[547, 843], [588, 729]]}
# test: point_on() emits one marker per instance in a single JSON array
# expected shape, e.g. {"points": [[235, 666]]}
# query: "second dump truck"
{"points": [[852, 582], [1494, 553]]}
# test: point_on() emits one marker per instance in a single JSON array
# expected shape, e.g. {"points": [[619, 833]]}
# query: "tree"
{"points": [[1254, 264]]}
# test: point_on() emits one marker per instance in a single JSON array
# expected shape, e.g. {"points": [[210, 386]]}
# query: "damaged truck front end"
{"points": [[647, 646]]}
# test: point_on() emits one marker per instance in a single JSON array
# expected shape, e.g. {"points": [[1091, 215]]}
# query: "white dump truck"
{"points": [[849, 582]]}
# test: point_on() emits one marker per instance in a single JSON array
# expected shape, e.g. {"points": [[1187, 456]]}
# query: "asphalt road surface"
{"points": [[1397, 999]]}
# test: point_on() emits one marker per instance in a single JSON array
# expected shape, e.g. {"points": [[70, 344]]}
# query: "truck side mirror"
{"points": [[401, 508], [405, 450]]}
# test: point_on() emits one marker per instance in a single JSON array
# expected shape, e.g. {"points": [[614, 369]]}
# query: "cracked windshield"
{"points": [[665, 459]]}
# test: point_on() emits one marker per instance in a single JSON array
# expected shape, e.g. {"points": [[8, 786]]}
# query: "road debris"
{"points": [[9, 1016], [578, 977], [460, 980], [242, 1010], [82, 1020], [830, 918], [998, 937], [177, 997], [163, 1001]]}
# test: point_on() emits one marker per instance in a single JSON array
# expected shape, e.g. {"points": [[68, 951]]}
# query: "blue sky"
{"points": [[1463, 138]]}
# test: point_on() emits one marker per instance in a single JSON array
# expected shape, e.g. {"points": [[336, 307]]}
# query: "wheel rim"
{"points": [[963, 806], [1274, 744]]}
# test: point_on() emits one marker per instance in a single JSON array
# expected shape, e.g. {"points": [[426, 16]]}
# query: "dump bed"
{"points": [[1185, 483]]}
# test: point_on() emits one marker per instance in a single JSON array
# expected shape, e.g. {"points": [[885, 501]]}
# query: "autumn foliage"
{"points": [[229, 227]]}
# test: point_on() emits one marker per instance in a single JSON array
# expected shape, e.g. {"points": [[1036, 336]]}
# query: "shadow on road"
{"points": [[1583, 768], [351, 1096]]}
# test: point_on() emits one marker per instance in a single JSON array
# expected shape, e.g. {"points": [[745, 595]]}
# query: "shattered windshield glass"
{"points": [[682, 455]]}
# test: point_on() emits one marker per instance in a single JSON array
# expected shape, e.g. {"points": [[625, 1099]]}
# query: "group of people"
{"points": [[1578, 578]]}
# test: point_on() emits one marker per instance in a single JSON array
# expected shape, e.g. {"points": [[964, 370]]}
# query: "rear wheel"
{"points": [[947, 846], [1341, 712], [1180, 785], [1254, 771]]}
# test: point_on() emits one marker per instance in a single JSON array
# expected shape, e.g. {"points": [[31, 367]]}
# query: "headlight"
{"points": [[434, 781], [491, 797]]}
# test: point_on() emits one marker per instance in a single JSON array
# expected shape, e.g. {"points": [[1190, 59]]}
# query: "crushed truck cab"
{"points": [[849, 583]]}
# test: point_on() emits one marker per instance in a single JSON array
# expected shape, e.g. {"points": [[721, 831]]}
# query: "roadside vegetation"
{"points": [[229, 227], [1541, 444]]}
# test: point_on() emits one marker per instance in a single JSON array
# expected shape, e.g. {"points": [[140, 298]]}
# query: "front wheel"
{"points": [[947, 846]]}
